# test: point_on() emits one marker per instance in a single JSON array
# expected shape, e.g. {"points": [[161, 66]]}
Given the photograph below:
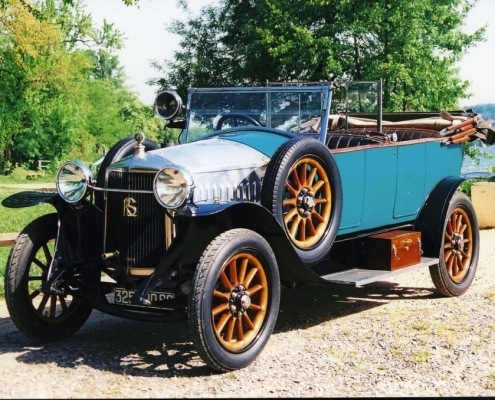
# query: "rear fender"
{"points": [[431, 219]]}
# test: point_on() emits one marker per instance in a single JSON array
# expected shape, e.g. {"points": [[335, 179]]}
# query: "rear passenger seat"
{"points": [[342, 141]]}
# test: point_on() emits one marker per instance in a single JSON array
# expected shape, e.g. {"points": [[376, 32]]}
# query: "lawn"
{"points": [[15, 219]]}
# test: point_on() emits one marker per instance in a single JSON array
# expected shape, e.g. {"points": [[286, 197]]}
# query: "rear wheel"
{"points": [[303, 191], [235, 298], [460, 248], [40, 316]]}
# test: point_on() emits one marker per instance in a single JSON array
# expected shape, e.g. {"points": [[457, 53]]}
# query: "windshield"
{"points": [[294, 109]]}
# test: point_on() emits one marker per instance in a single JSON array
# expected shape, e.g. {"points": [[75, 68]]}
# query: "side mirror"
{"points": [[167, 105]]}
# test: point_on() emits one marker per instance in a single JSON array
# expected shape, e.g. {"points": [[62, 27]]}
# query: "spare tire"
{"points": [[302, 189]]}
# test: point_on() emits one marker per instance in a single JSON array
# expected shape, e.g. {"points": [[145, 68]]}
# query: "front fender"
{"points": [[30, 198], [201, 228]]}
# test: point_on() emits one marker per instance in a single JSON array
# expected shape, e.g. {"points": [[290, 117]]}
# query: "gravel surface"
{"points": [[394, 338]]}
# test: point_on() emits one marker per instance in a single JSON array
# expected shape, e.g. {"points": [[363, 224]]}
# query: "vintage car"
{"points": [[269, 186]]}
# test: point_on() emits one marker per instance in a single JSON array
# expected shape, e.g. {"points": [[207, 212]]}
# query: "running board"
{"points": [[359, 277]]}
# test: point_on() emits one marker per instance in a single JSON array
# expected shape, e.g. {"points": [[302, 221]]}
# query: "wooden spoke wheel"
{"points": [[240, 302], [233, 305], [303, 191], [458, 244], [307, 204], [458, 259]]}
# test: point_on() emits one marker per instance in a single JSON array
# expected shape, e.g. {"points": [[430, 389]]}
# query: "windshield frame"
{"points": [[323, 90]]}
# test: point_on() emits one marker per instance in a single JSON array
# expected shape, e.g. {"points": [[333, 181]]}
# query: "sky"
{"points": [[146, 40]]}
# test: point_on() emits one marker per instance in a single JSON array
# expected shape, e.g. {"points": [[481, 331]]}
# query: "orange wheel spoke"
{"points": [[220, 308], [311, 176], [251, 274], [221, 295], [248, 321], [233, 272], [317, 216], [254, 289], [225, 281], [321, 201], [239, 330], [317, 186], [229, 330], [295, 180], [292, 191], [449, 264], [290, 215], [292, 202], [301, 229], [295, 225], [243, 270], [220, 325]]}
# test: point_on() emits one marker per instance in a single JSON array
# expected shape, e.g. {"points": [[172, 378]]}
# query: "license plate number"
{"points": [[123, 296]]}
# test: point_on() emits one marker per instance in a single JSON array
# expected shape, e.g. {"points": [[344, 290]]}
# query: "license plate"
{"points": [[123, 296]]}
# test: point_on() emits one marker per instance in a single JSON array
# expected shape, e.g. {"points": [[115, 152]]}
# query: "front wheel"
{"points": [[460, 248], [234, 302], [40, 316]]}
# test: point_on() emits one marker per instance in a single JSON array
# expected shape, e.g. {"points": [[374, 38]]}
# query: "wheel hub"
{"points": [[305, 202], [457, 242], [240, 300]]}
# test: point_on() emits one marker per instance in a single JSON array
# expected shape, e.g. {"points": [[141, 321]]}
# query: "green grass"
{"points": [[15, 219]]}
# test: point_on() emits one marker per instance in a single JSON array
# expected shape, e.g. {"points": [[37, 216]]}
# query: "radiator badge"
{"points": [[130, 210]]}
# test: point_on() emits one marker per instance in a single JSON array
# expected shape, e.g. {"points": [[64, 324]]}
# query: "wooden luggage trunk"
{"points": [[393, 250]]}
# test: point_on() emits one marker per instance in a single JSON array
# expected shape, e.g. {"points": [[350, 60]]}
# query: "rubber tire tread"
{"points": [[202, 276], [37, 233], [439, 274]]}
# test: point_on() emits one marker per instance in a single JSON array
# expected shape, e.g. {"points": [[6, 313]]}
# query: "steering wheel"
{"points": [[235, 119]]}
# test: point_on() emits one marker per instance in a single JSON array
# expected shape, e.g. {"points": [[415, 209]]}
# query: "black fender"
{"points": [[199, 227], [431, 218], [80, 227], [30, 198]]}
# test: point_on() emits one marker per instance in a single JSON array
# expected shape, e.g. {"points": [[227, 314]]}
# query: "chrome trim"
{"points": [[99, 189]]}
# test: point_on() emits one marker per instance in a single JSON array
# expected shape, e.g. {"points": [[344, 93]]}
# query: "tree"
{"points": [[62, 90], [413, 45]]}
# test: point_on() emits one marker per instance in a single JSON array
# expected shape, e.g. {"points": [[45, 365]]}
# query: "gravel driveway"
{"points": [[394, 338]]}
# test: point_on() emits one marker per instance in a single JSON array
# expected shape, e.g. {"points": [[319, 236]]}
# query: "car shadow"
{"points": [[150, 349]]}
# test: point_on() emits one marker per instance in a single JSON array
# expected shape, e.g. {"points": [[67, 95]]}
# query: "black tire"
{"points": [[459, 250], [117, 152], [40, 316], [302, 189], [234, 301]]}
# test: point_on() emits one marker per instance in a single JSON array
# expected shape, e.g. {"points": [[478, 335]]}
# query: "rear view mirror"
{"points": [[167, 105]]}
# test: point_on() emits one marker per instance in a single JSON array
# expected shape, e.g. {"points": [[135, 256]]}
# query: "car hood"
{"points": [[213, 155], [223, 168]]}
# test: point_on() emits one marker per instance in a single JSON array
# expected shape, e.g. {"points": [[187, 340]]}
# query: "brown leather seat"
{"points": [[338, 141], [411, 134]]}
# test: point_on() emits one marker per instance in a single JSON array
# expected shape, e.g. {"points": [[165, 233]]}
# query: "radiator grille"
{"points": [[135, 222]]}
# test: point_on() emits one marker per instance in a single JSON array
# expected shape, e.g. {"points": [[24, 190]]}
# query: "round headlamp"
{"points": [[73, 179], [172, 187]]}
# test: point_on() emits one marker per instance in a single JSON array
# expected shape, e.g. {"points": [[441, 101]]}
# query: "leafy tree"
{"points": [[62, 90], [413, 45]]}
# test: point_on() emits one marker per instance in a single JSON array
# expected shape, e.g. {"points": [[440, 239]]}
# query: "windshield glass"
{"points": [[295, 109]]}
